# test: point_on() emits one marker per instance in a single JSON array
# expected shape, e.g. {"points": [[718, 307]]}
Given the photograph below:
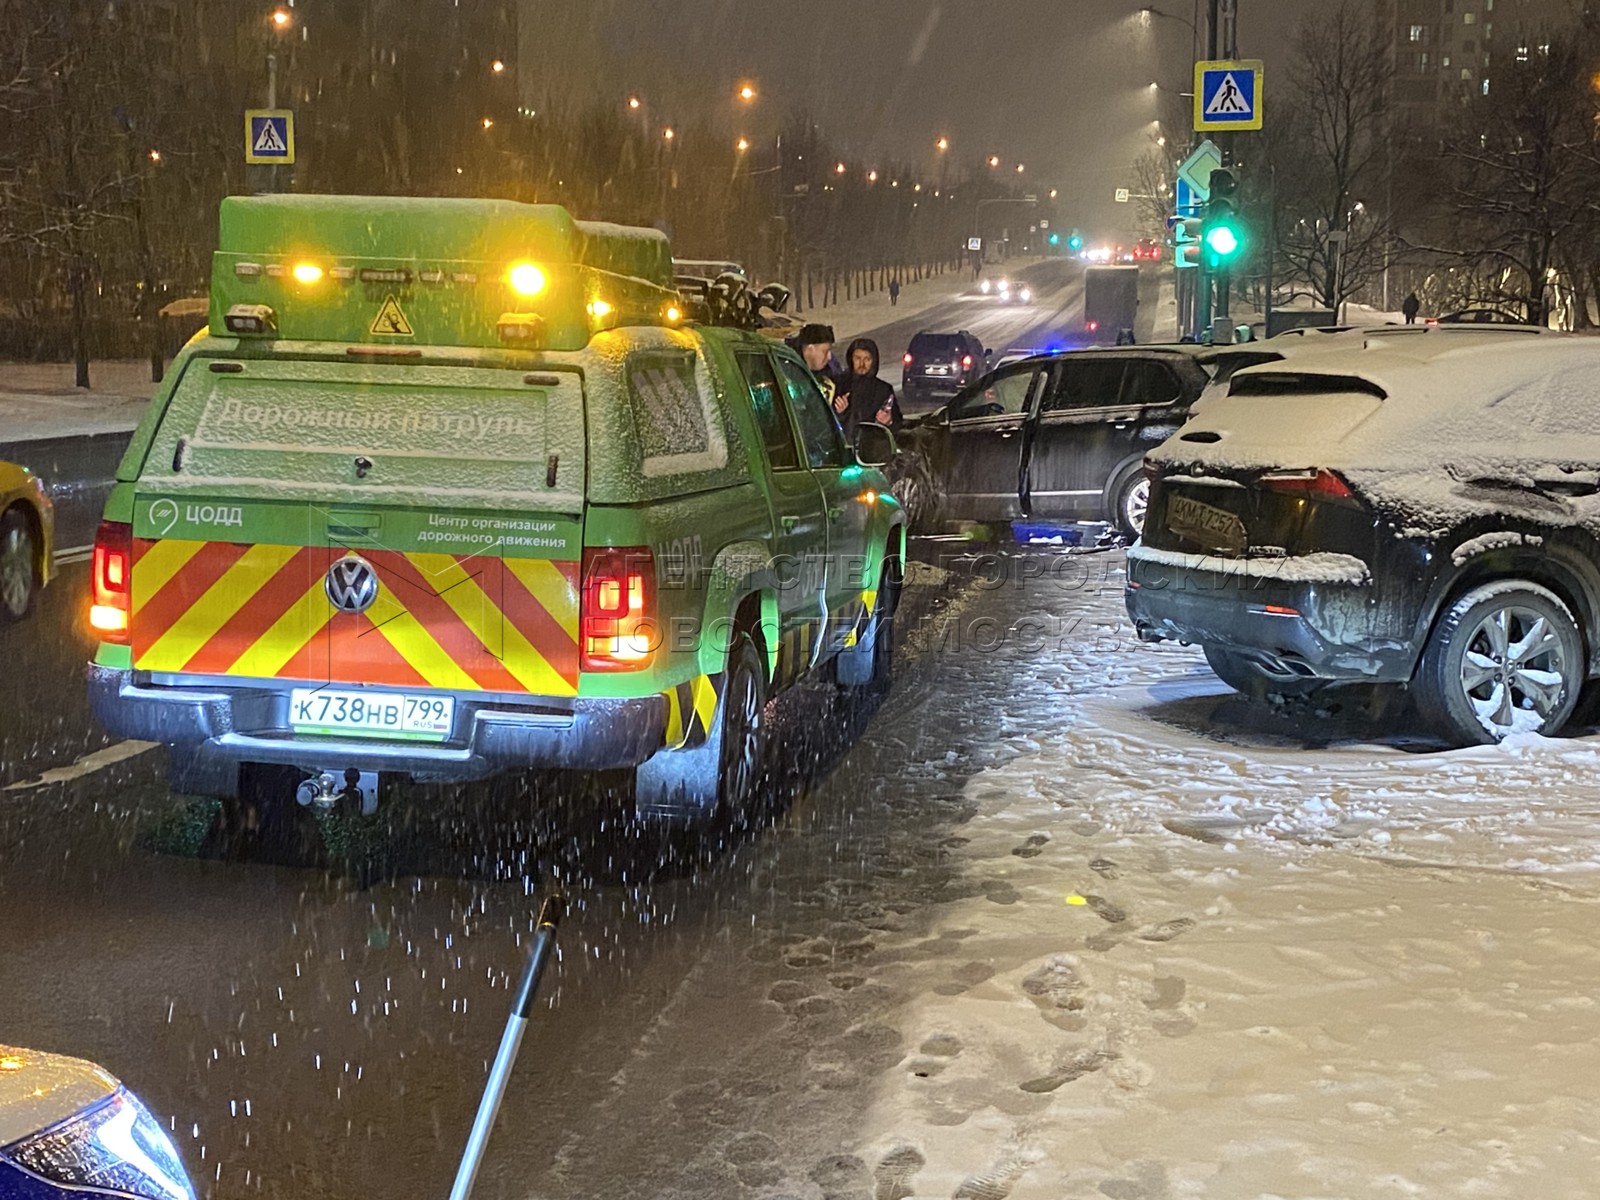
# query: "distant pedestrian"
{"points": [[1410, 306], [894, 292]]}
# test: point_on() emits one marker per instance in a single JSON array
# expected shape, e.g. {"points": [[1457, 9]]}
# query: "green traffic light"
{"points": [[1076, 243], [1222, 241], [1055, 239]]}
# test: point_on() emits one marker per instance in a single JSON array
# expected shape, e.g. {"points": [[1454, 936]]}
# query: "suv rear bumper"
{"points": [[230, 722], [1298, 629]]}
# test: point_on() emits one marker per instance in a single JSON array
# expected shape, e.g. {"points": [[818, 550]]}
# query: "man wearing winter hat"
{"points": [[815, 344]]}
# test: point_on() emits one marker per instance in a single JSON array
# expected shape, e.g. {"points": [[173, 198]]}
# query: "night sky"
{"points": [[1059, 85]]}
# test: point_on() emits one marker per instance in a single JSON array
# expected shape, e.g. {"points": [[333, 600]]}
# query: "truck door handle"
{"points": [[1121, 424], [788, 521]]}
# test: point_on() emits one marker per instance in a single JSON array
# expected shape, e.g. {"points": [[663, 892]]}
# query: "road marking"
{"points": [[73, 554], [87, 765]]}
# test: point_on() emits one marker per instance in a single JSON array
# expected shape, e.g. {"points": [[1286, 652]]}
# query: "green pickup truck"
{"points": [[448, 488]]}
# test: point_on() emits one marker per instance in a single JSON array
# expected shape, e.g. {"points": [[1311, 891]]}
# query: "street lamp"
{"points": [[838, 168], [282, 18], [741, 145], [1052, 193], [747, 92], [497, 66], [488, 122], [994, 161], [667, 134], [942, 145], [633, 103], [1019, 168], [872, 177]]}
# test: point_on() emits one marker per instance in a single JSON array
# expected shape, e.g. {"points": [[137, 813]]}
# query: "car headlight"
{"points": [[1026, 295], [984, 287], [116, 1147]]}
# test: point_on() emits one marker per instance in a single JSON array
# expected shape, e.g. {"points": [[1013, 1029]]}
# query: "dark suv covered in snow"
{"points": [[1421, 510]]}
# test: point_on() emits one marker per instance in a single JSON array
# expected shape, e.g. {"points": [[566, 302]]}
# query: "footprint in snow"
{"points": [[895, 1172], [1105, 868], [1086, 1062], [1033, 847], [1167, 930], [840, 1176], [995, 1183], [1112, 914], [964, 978]]}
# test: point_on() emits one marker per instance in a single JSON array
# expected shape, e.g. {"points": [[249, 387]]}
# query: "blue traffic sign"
{"points": [[268, 135], [1227, 95]]}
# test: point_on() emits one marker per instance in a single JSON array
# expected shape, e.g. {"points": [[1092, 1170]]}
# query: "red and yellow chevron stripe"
{"points": [[466, 623]]}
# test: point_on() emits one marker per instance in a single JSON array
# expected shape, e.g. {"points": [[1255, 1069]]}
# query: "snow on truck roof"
{"points": [[401, 272]]}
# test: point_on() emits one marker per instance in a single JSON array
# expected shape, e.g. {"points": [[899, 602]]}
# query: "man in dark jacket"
{"points": [[865, 397], [814, 343]]}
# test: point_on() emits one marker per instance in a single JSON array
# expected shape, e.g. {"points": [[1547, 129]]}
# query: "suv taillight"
{"points": [[1316, 484], [908, 358], [109, 576], [617, 626], [966, 362]]}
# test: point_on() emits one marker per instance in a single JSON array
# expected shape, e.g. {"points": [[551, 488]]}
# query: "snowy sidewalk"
{"points": [[1216, 952], [38, 400]]}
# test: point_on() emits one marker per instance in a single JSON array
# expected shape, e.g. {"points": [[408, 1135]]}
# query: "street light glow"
{"points": [[741, 145], [155, 156], [747, 93], [838, 168], [872, 177], [994, 160], [282, 18], [497, 66], [1019, 168], [633, 103], [667, 134], [488, 122], [942, 144], [1052, 193]]}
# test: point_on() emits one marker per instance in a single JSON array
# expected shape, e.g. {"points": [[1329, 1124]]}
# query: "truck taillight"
{"points": [[110, 573], [617, 626], [966, 362], [1091, 326], [907, 359]]}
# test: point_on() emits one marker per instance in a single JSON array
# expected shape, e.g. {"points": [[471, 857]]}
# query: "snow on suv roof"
{"points": [[1414, 421]]}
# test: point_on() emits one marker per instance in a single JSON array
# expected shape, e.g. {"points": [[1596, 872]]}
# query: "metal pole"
{"points": [[272, 81], [510, 1042]]}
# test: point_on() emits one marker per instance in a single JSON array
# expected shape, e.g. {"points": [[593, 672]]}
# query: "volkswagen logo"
{"points": [[352, 585]]}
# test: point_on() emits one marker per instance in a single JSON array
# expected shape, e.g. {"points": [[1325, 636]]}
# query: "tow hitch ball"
{"points": [[324, 790]]}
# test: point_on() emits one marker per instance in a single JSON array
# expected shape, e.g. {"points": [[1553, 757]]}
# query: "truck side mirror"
{"points": [[875, 445]]}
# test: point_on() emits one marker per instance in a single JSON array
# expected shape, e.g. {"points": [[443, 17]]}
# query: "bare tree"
{"points": [[1325, 156], [1522, 173]]}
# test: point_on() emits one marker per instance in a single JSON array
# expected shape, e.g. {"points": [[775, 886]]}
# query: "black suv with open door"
{"points": [[938, 365], [1054, 436]]}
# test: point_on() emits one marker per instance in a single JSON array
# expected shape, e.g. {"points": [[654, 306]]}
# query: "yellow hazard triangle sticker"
{"points": [[390, 321]]}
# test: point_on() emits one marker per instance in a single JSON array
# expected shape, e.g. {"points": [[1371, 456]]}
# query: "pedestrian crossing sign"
{"points": [[268, 135], [1227, 95]]}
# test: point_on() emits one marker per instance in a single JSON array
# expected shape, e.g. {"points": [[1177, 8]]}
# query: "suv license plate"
{"points": [[938, 370], [421, 718], [1212, 527]]}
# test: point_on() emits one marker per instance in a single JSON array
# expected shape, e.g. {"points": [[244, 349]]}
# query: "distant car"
{"points": [[69, 1130], [1007, 291], [1055, 436], [938, 365], [1416, 511], [27, 532], [1478, 316]]}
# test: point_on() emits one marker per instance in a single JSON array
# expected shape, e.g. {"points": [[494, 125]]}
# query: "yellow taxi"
{"points": [[27, 526]]}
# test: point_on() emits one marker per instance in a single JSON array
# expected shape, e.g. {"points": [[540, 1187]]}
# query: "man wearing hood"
{"points": [[864, 396]]}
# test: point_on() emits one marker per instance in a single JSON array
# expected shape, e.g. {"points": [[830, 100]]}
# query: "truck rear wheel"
{"points": [[715, 781]]}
